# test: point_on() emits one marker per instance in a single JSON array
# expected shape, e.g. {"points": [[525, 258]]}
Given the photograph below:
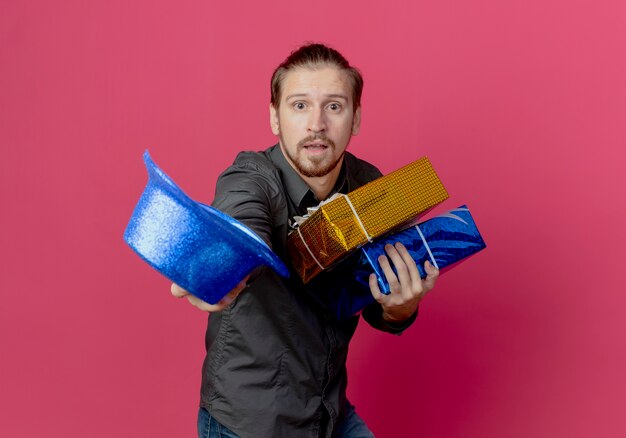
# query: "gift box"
{"points": [[444, 240], [341, 226], [196, 246], [451, 238]]}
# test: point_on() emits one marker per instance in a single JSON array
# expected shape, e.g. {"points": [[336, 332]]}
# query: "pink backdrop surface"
{"points": [[521, 107]]}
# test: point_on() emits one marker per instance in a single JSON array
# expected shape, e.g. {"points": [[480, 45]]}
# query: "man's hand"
{"points": [[407, 288], [179, 292]]}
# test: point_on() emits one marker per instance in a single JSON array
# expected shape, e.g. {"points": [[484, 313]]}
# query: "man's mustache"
{"points": [[317, 137]]}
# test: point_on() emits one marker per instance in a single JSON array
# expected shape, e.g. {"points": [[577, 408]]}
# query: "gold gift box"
{"points": [[346, 223]]}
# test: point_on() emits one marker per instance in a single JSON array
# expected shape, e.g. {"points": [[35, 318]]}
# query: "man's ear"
{"points": [[274, 120], [356, 121]]}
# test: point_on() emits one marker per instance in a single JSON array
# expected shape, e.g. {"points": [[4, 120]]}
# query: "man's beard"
{"points": [[311, 167]]}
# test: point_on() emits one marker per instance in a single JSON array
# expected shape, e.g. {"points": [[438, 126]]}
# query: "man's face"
{"points": [[315, 119]]}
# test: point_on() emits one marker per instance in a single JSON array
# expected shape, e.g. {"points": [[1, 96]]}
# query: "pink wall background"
{"points": [[521, 106]]}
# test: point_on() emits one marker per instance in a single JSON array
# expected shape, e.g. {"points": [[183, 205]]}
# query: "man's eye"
{"points": [[334, 107], [299, 105]]}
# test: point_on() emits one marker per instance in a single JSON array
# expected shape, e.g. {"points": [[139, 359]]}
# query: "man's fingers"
{"points": [[376, 293], [407, 287], [398, 262], [203, 305], [394, 284], [178, 291], [230, 296], [242, 284], [414, 273], [432, 274]]}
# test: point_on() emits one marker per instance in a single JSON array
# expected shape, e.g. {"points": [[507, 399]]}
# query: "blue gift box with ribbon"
{"points": [[443, 240]]}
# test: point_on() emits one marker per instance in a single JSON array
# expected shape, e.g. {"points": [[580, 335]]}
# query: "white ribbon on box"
{"points": [[300, 219], [430, 253]]}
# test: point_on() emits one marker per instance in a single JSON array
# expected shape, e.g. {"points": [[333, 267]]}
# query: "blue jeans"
{"points": [[352, 426], [208, 427]]}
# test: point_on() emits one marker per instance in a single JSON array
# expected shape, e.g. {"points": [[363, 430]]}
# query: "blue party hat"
{"points": [[201, 249]]}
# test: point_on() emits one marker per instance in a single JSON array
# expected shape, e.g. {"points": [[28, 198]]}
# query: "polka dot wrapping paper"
{"points": [[343, 225]]}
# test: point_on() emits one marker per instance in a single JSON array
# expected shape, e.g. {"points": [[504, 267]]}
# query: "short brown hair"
{"points": [[312, 56]]}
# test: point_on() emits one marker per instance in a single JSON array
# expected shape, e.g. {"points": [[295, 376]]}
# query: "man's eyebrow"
{"points": [[291, 96], [332, 96], [338, 96]]}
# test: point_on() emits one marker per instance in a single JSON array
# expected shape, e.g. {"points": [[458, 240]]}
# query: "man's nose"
{"points": [[317, 120]]}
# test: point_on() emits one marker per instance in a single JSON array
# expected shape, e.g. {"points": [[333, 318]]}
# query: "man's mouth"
{"points": [[316, 147]]}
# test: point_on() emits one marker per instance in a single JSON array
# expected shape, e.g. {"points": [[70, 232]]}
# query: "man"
{"points": [[275, 364]]}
